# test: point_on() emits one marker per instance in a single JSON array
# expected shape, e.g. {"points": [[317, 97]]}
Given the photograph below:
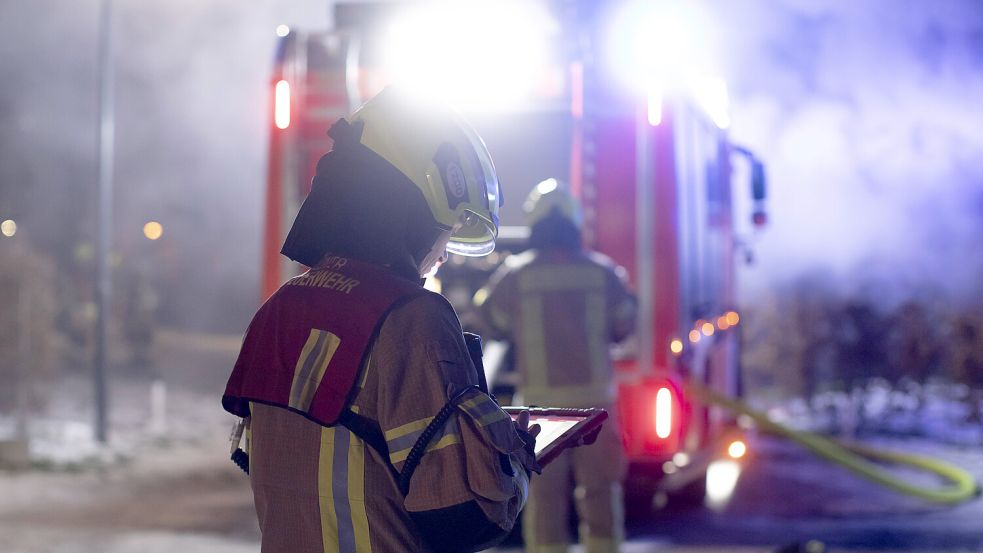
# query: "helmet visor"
{"points": [[474, 238], [476, 234]]}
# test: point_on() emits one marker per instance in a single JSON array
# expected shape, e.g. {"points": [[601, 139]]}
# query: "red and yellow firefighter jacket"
{"points": [[357, 336]]}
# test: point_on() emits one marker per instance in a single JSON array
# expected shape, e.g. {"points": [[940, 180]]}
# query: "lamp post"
{"points": [[104, 215]]}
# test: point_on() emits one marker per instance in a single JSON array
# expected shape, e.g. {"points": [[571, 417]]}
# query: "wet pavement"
{"points": [[786, 495]]}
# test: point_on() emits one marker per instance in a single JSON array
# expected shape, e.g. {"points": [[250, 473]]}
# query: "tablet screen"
{"points": [[559, 428], [552, 429]]}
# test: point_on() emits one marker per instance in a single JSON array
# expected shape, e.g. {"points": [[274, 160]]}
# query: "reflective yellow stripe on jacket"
{"points": [[400, 440], [341, 491], [320, 347]]}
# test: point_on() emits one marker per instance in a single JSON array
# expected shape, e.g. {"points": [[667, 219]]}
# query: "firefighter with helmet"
{"points": [[365, 428], [561, 307]]}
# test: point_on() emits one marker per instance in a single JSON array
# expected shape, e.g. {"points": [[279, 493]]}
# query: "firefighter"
{"points": [[366, 430], [561, 306]]}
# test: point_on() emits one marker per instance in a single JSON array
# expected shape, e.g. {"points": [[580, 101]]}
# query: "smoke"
{"points": [[191, 130], [869, 117], [194, 89]]}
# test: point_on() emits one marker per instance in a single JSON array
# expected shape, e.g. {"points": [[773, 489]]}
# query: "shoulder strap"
{"points": [[473, 342]]}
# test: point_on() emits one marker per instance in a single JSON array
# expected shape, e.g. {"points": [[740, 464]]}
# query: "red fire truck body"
{"points": [[653, 172]]}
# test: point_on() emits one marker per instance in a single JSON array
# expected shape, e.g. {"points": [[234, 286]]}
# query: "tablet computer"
{"points": [[561, 428]]}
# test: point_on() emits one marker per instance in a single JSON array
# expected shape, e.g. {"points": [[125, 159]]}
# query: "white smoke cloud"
{"points": [[870, 117]]}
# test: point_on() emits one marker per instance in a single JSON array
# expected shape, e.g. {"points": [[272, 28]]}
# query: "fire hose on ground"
{"points": [[858, 458]]}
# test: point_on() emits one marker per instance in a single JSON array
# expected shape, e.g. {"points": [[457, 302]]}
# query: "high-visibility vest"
{"points": [[306, 345]]}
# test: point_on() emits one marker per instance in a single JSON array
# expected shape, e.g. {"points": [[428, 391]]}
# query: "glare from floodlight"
{"points": [[669, 44], [8, 228], [657, 40], [282, 30], [473, 54], [711, 93], [654, 105]]}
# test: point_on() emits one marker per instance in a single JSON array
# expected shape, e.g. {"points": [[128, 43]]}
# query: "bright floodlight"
{"points": [[8, 228], [282, 30], [664, 47], [659, 41], [473, 54]]}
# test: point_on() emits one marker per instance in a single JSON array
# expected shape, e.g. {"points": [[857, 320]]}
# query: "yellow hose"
{"points": [[854, 457]]}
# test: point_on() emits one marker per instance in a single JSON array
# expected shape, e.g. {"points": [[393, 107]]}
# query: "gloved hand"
{"points": [[528, 435], [590, 437]]}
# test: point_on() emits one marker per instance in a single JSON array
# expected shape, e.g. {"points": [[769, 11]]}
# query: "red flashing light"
{"points": [[663, 413], [281, 104]]}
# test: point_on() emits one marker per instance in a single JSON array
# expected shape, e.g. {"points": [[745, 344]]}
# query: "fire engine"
{"points": [[583, 91]]}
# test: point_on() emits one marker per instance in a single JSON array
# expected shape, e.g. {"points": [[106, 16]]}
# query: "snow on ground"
{"points": [[937, 411], [32, 540], [163, 483], [142, 414]]}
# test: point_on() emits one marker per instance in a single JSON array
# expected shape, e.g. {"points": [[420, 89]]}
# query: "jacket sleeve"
{"points": [[496, 476], [475, 464]]}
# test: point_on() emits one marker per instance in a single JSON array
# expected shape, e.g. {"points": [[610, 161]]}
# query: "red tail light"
{"points": [[281, 106], [663, 413]]}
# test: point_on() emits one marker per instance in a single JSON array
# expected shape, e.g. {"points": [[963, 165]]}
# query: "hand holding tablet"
{"points": [[560, 428]]}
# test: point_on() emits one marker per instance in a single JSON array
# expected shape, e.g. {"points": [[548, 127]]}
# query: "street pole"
{"points": [[104, 215]]}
